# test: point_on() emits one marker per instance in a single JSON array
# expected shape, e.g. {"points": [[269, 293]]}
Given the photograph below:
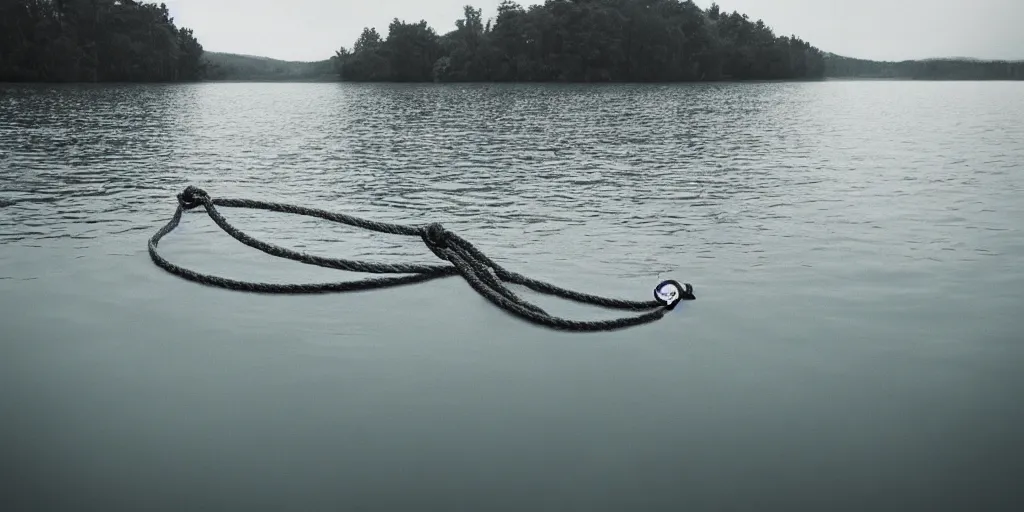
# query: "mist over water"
{"points": [[855, 248]]}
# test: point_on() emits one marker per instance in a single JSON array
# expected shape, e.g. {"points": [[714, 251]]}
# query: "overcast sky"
{"points": [[872, 29]]}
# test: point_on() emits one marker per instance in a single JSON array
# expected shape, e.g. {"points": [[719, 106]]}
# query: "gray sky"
{"points": [[873, 29]]}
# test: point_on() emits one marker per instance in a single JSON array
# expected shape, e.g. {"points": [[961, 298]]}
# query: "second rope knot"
{"points": [[436, 238]]}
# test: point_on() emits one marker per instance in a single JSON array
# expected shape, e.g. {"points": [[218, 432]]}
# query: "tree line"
{"points": [[94, 41], [560, 40], [932, 69], [583, 41]]}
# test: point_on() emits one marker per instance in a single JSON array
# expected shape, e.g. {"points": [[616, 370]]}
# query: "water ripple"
{"points": [[611, 175]]}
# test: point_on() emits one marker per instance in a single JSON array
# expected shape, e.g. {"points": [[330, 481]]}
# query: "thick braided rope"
{"points": [[550, 289], [536, 315], [482, 273], [231, 284]]}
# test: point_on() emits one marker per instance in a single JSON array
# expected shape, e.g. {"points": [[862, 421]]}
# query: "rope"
{"points": [[482, 273]]}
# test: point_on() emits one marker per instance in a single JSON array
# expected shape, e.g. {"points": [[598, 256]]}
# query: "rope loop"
{"points": [[483, 274]]}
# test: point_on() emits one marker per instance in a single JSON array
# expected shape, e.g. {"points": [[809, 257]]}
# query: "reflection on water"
{"points": [[608, 169], [855, 247]]}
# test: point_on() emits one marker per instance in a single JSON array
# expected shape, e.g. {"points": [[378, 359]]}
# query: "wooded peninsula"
{"points": [[558, 41], [94, 41]]}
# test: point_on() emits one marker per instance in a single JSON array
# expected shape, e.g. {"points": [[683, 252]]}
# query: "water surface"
{"points": [[856, 249]]}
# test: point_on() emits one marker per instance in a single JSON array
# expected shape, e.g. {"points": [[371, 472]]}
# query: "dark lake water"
{"points": [[856, 248]]}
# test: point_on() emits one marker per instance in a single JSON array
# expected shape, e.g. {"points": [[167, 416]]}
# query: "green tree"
{"points": [[411, 50], [94, 40], [586, 41]]}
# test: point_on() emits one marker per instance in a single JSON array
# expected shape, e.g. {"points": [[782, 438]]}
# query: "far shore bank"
{"points": [[334, 80]]}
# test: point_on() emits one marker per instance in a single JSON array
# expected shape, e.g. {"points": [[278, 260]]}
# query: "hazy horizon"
{"points": [[891, 30]]}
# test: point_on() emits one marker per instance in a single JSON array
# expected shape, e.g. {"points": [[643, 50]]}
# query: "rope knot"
{"points": [[436, 238], [192, 197]]}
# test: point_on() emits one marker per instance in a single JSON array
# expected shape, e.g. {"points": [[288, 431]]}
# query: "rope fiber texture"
{"points": [[482, 273]]}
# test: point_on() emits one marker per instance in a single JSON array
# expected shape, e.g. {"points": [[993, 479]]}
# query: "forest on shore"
{"points": [[583, 41], [94, 41], [559, 40]]}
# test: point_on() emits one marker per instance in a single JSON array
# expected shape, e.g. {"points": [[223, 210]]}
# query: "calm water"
{"points": [[856, 249]]}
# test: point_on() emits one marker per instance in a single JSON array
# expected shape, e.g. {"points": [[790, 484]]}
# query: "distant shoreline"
{"points": [[245, 68], [334, 80], [837, 68]]}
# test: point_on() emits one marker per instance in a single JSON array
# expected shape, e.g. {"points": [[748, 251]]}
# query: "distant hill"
{"points": [[956, 68], [231, 66]]}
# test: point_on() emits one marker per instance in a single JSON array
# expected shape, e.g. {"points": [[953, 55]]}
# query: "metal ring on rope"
{"points": [[481, 272]]}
